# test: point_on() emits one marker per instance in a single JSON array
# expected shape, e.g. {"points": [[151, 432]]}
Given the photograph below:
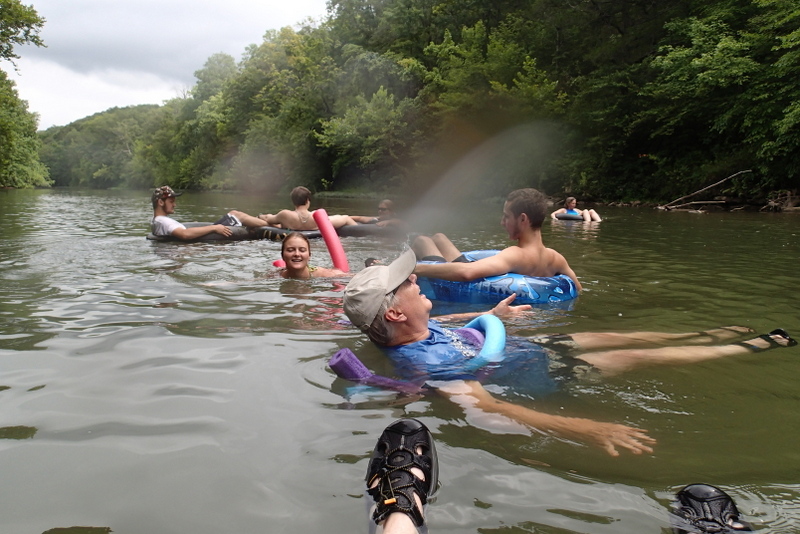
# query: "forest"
{"points": [[609, 100]]}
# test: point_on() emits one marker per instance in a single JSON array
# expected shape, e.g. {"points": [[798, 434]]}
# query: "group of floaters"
{"points": [[529, 270]]}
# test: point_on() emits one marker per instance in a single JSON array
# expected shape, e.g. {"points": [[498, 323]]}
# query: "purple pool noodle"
{"points": [[472, 336], [347, 365]]}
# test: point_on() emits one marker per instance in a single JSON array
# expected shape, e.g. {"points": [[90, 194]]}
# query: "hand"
{"points": [[504, 308], [224, 230], [609, 436]]}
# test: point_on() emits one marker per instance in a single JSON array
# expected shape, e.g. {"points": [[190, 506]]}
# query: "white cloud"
{"points": [[106, 53]]}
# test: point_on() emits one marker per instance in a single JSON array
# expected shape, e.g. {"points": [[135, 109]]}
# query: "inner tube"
{"points": [[369, 229], [331, 240], [239, 233], [492, 289], [569, 217]]}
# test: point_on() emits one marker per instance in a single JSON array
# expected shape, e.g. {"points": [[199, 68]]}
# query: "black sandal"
{"points": [[772, 343], [394, 456], [705, 508]]}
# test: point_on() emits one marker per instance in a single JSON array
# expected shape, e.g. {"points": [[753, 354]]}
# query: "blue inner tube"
{"points": [[492, 289]]}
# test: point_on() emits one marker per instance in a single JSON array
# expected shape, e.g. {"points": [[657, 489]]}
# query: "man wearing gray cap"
{"points": [[385, 302]]}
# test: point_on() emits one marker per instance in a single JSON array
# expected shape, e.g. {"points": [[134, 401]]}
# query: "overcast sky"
{"points": [[106, 53]]}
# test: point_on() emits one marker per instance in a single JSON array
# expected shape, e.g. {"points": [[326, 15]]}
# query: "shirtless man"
{"points": [[523, 214], [300, 218], [163, 225]]}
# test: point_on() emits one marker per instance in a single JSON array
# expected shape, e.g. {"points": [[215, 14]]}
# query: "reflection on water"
{"points": [[157, 387]]}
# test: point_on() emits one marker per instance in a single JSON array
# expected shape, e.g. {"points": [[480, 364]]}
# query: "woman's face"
{"points": [[296, 253], [571, 204]]}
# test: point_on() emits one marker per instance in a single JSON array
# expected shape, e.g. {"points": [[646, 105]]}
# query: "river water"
{"points": [[175, 388]]}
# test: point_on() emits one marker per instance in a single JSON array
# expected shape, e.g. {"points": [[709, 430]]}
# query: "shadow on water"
{"points": [[193, 378]]}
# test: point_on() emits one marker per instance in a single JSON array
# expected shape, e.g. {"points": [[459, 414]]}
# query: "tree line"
{"points": [[606, 99]]}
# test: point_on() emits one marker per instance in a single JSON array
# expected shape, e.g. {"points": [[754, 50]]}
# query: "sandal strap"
{"points": [[394, 457], [395, 491]]}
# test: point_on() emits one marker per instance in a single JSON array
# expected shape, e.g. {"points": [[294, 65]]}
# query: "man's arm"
{"points": [[278, 220], [502, 309], [500, 263], [562, 267], [199, 231], [471, 396], [364, 219]]}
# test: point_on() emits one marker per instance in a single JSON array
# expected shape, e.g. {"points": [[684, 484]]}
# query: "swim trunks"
{"points": [[440, 259], [229, 220]]}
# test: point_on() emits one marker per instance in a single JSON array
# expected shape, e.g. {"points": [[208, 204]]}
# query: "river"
{"points": [[176, 388]]}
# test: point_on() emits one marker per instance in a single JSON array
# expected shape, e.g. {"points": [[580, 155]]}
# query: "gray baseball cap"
{"points": [[365, 292]]}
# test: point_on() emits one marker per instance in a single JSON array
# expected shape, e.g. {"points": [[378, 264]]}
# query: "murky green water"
{"points": [[173, 388]]}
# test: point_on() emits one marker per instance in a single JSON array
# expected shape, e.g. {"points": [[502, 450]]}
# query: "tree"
{"points": [[19, 145], [19, 25]]}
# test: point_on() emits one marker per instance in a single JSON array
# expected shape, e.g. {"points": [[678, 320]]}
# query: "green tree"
{"points": [[19, 159], [19, 25], [19, 145]]}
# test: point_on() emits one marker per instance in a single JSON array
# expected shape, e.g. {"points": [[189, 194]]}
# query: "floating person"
{"points": [[523, 215], [402, 475], [296, 252], [385, 303], [163, 225], [570, 212], [300, 218], [386, 216]]}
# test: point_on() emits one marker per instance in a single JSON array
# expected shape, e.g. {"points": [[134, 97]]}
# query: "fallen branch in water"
{"points": [[670, 205], [698, 202]]}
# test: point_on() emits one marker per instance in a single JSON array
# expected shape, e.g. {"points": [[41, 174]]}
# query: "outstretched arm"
{"points": [[471, 396], [558, 211], [200, 231], [467, 271], [502, 309]]}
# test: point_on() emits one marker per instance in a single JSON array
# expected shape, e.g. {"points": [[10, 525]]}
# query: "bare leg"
{"points": [[446, 247], [617, 361], [591, 341], [398, 522], [247, 220], [587, 217], [341, 220], [424, 246], [594, 216]]}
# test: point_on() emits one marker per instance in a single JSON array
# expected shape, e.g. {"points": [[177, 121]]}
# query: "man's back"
{"points": [[291, 219]]}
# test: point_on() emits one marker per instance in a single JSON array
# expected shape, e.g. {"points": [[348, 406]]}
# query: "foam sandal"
{"points": [[705, 508], [772, 343], [394, 456]]}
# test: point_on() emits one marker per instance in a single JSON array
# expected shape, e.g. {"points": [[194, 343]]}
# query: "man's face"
{"points": [[510, 222], [409, 300], [384, 212], [169, 205]]}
